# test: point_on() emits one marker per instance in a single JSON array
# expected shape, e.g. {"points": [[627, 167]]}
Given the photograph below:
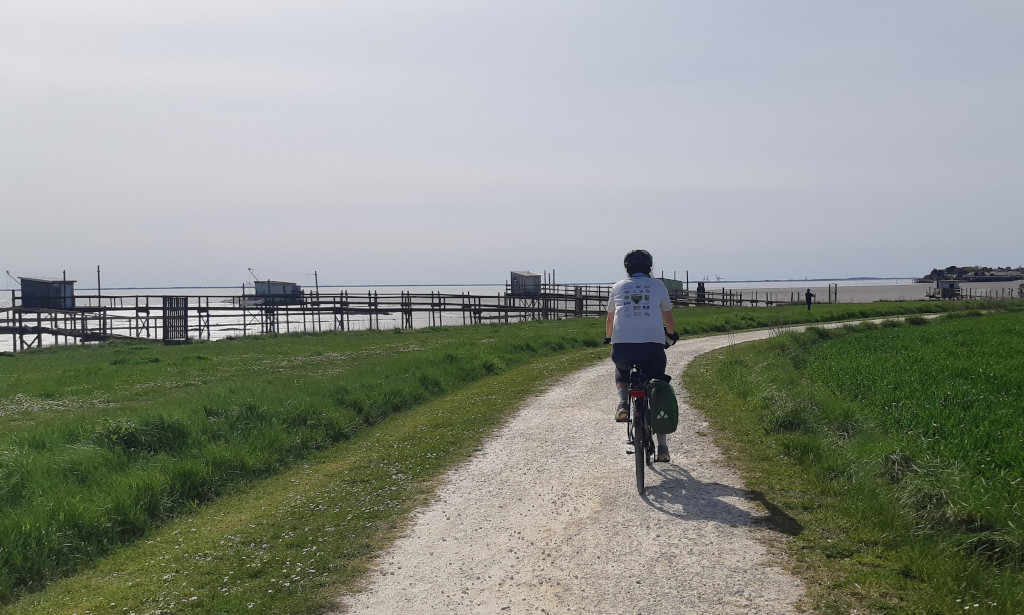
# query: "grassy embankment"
{"points": [[897, 448], [259, 471]]}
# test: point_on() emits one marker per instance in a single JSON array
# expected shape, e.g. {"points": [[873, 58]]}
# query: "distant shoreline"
{"points": [[502, 284]]}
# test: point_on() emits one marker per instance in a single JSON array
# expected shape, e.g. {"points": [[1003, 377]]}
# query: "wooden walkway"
{"points": [[178, 319]]}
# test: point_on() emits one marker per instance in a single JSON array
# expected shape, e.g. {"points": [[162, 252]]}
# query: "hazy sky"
{"points": [[176, 143]]}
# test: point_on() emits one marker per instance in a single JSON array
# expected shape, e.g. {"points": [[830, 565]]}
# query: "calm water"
{"points": [[226, 326], [474, 289], [844, 291]]}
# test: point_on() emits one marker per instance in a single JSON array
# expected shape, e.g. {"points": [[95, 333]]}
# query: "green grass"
{"points": [[703, 321], [109, 450], [137, 434], [290, 543], [897, 450]]}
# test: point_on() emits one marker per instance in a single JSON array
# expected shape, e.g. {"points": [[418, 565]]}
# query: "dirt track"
{"points": [[516, 531]]}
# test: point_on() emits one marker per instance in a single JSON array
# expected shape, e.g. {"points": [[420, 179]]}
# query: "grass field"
{"points": [[898, 449], [136, 475], [126, 436]]}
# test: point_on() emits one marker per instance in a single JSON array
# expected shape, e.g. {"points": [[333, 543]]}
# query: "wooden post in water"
{"points": [[316, 285], [407, 310]]}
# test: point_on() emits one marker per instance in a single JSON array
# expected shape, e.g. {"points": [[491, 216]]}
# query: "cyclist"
{"points": [[639, 319]]}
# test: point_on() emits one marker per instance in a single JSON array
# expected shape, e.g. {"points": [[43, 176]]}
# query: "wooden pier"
{"points": [[179, 319], [737, 298], [182, 318]]}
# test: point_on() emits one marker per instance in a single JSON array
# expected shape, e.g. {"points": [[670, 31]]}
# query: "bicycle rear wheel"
{"points": [[639, 442]]}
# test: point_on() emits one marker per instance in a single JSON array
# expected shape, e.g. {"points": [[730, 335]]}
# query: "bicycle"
{"points": [[639, 431], [638, 428]]}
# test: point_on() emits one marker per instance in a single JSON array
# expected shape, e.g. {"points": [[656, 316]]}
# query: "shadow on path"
{"points": [[681, 495]]}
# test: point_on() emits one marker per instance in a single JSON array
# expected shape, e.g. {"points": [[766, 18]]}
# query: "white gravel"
{"points": [[547, 519]]}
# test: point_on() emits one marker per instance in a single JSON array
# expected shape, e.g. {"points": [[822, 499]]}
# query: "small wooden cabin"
{"points": [[43, 294], [675, 288], [947, 289], [672, 285], [525, 283], [278, 293]]}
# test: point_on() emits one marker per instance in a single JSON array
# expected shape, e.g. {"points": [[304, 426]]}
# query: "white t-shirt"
{"points": [[638, 302]]}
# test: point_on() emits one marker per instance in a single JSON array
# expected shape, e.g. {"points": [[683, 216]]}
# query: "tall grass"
{"points": [[952, 396], [898, 449], [291, 543], [140, 433]]}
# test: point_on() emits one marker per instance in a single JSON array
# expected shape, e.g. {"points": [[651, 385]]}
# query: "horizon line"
{"points": [[505, 283]]}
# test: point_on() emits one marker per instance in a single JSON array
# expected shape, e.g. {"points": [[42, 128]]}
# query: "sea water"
{"points": [[122, 303], [850, 290]]}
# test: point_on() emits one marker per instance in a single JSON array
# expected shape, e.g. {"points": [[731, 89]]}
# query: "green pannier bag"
{"points": [[664, 407]]}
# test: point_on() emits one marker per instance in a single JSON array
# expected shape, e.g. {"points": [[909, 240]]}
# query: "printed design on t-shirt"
{"points": [[639, 297]]}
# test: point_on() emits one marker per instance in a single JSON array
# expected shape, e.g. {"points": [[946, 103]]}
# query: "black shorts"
{"points": [[651, 354]]}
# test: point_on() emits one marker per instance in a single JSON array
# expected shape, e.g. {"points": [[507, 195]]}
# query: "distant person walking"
{"points": [[809, 296]]}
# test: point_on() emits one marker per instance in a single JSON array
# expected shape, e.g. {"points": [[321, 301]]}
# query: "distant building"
{"points": [[672, 285], [525, 283], [280, 293], [947, 289], [43, 294]]}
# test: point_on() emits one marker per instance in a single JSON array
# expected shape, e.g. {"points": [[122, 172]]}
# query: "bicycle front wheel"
{"points": [[639, 443]]}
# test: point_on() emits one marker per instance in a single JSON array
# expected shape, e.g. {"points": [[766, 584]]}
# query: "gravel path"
{"points": [[514, 530]]}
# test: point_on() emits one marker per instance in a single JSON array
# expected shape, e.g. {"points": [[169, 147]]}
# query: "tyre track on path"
{"points": [[546, 519]]}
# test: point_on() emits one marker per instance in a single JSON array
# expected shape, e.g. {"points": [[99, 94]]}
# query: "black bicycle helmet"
{"points": [[638, 261]]}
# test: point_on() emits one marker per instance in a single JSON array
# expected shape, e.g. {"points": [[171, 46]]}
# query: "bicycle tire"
{"points": [[639, 442]]}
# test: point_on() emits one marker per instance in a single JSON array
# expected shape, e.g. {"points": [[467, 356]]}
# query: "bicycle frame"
{"points": [[638, 427]]}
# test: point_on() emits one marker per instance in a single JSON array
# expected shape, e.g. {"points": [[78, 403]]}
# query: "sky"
{"points": [[453, 141]]}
